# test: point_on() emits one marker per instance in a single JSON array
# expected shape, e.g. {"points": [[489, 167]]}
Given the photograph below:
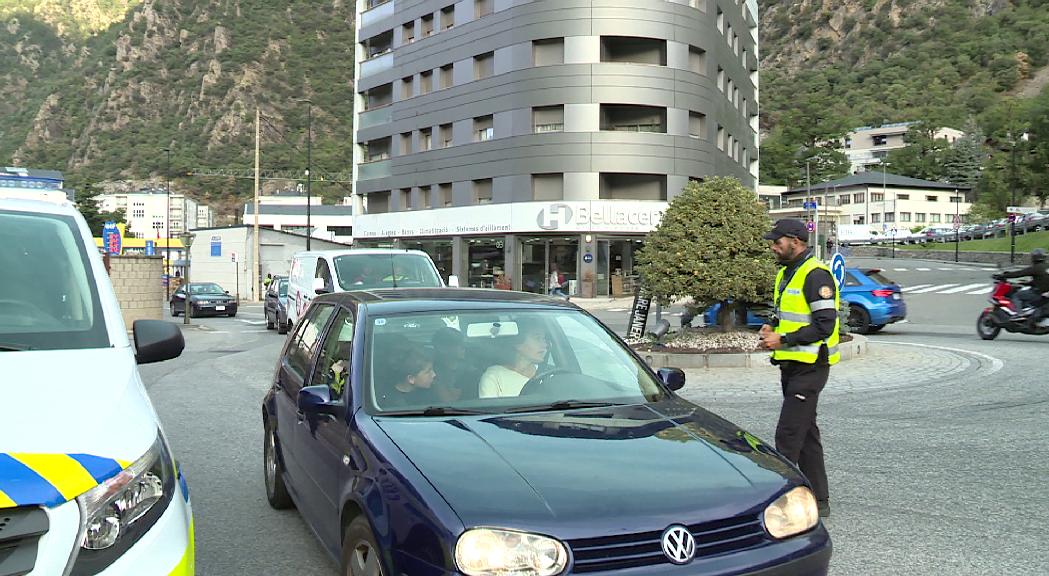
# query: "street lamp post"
{"points": [[187, 241], [957, 223], [884, 193], [309, 165], [167, 222]]}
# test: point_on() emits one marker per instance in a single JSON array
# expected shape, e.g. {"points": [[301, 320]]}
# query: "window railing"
{"points": [[637, 128], [551, 127]]}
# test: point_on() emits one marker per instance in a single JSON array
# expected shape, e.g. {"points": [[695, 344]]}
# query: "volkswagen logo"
{"points": [[678, 544], [553, 216]]}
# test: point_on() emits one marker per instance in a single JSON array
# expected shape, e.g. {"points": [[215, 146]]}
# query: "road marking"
{"points": [[965, 288], [899, 269], [923, 269], [984, 290], [996, 364], [932, 289], [616, 310], [252, 322], [915, 287]]}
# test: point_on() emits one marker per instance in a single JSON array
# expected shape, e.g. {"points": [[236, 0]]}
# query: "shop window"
{"points": [[486, 261]]}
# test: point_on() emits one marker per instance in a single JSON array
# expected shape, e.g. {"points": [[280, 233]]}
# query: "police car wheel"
{"points": [[360, 552], [276, 491]]}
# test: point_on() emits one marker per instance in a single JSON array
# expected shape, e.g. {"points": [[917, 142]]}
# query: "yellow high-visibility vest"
{"points": [[795, 312]]}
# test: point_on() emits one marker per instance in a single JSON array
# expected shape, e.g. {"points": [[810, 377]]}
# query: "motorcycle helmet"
{"points": [[1037, 256]]}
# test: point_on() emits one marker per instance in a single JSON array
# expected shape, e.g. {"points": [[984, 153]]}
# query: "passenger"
{"points": [[528, 351], [449, 353], [412, 378]]}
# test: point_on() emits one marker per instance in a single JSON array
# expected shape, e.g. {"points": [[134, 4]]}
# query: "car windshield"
{"points": [[497, 361], [367, 271], [48, 298], [206, 288], [282, 287]]}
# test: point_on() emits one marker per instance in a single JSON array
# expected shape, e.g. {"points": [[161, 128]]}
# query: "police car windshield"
{"points": [[48, 298]]}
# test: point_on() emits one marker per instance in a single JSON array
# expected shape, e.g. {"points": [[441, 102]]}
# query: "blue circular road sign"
{"points": [[837, 268]]}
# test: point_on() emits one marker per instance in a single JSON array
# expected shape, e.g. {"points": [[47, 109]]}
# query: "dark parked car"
{"points": [[276, 305], [473, 432], [205, 298]]}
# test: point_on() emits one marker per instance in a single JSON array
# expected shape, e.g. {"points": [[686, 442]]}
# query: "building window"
{"points": [[341, 230], [890, 217], [956, 199], [634, 50], [877, 197], [138, 213], [721, 21], [548, 186], [548, 119], [378, 96], [934, 218], [548, 52], [623, 186], [631, 118], [696, 124], [376, 150], [482, 191], [427, 25], [483, 129], [875, 218], [379, 202], [932, 198], [404, 199], [408, 32], [721, 79], [447, 79], [484, 65], [426, 196], [425, 139], [447, 17], [697, 60], [425, 82], [859, 198], [445, 133], [903, 196], [406, 143], [879, 140], [444, 194], [721, 138], [482, 8], [407, 87], [905, 216], [844, 199], [919, 216], [379, 44]]}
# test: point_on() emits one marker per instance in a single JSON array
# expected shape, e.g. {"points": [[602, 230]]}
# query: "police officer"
{"points": [[804, 344]]}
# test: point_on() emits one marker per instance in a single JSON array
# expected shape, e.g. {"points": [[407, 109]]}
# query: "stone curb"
{"points": [[849, 350]]}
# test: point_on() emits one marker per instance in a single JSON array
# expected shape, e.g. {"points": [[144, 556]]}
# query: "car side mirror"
{"points": [[674, 378], [315, 400], [156, 341], [319, 287], [453, 281]]}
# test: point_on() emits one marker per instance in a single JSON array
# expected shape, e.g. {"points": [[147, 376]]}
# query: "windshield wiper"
{"points": [[6, 347], [562, 405], [437, 411]]}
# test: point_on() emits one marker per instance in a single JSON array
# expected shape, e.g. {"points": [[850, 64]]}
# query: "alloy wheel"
{"points": [[364, 561]]}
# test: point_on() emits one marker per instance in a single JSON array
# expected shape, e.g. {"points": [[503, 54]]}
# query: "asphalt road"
{"points": [[945, 476]]}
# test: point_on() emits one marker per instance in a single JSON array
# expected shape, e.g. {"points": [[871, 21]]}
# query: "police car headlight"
{"points": [[491, 552], [792, 513], [116, 513]]}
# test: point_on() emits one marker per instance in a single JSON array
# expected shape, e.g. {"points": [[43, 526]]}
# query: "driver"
{"points": [[1031, 298], [527, 351]]}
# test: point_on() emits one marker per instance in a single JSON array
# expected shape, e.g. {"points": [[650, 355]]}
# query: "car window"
{"points": [[301, 353], [206, 288], [324, 273], [851, 280], [48, 297], [497, 361], [333, 366], [366, 271], [879, 278], [282, 288]]}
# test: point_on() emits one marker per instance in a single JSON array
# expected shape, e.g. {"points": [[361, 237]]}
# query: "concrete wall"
{"points": [[946, 255], [137, 282]]}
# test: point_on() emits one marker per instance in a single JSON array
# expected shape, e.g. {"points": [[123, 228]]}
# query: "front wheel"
{"points": [[174, 311], [986, 327], [276, 491], [360, 552], [270, 324]]}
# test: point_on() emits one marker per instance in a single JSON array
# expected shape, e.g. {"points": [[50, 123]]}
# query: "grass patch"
{"points": [[1024, 243]]}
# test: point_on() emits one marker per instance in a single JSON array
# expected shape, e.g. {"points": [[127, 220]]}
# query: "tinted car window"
{"points": [[509, 360], [302, 351], [851, 280], [333, 366], [205, 288], [48, 298], [878, 278], [365, 271]]}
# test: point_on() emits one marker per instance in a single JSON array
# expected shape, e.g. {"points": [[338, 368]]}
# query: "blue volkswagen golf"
{"points": [[484, 432]]}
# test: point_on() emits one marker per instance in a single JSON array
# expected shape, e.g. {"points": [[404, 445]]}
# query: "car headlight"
{"points": [[117, 512], [492, 552], [792, 513]]}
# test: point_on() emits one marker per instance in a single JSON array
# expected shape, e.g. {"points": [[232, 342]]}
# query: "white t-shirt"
{"points": [[499, 381]]}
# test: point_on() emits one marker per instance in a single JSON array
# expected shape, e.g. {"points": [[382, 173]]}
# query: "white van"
{"points": [[88, 484], [324, 271]]}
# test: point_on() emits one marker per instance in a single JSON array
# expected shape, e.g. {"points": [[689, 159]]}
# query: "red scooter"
{"points": [[1005, 313]]}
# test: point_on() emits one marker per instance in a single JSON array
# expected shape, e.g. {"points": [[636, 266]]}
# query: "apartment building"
{"points": [[151, 214], [866, 147], [507, 137]]}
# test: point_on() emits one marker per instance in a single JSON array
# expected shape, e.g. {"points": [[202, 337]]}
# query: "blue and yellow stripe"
{"points": [[51, 479]]}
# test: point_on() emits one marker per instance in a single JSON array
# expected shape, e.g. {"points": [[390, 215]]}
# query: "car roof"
{"points": [[334, 253], [396, 300], [62, 207]]}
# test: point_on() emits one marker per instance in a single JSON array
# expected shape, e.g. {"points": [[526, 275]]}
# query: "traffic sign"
{"points": [[837, 268], [813, 205], [233, 256], [151, 249], [957, 222], [810, 226], [1012, 218]]}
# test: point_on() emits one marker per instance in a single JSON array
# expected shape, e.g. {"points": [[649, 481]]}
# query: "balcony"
{"points": [[380, 63], [377, 117], [373, 170], [630, 118], [376, 11]]}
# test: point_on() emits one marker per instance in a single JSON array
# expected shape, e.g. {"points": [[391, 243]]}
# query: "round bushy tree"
{"points": [[709, 247]]}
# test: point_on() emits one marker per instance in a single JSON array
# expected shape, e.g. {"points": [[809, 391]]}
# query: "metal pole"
{"points": [[309, 168], [185, 278], [236, 268], [167, 223], [1012, 218], [957, 223], [256, 268]]}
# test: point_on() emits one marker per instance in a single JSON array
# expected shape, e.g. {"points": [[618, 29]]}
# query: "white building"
{"points": [[867, 147], [148, 216], [287, 212]]}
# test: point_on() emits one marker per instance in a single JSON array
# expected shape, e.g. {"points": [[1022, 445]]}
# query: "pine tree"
{"points": [[963, 161], [87, 204], [709, 247]]}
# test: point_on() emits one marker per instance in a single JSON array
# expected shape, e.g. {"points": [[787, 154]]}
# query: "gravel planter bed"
{"points": [[710, 348]]}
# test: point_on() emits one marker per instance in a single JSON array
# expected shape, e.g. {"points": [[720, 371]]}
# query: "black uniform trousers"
{"points": [[797, 435]]}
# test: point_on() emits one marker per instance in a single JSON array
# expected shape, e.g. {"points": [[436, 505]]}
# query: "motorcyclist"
{"points": [[1031, 299]]}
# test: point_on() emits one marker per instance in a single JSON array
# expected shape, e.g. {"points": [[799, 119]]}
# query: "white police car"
{"points": [[88, 484]]}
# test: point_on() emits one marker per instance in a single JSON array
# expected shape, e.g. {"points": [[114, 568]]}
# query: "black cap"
{"points": [[788, 227]]}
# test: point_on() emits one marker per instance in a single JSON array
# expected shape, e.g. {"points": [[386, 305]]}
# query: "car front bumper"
{"points": [[217, 309], [167, 549]]}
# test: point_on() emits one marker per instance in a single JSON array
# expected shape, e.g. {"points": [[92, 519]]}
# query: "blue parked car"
{"points": [[444, 432], [874, 302]]}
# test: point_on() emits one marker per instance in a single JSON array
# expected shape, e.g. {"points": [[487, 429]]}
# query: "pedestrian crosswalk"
{"points": [[955, 288], [951, 269]]}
